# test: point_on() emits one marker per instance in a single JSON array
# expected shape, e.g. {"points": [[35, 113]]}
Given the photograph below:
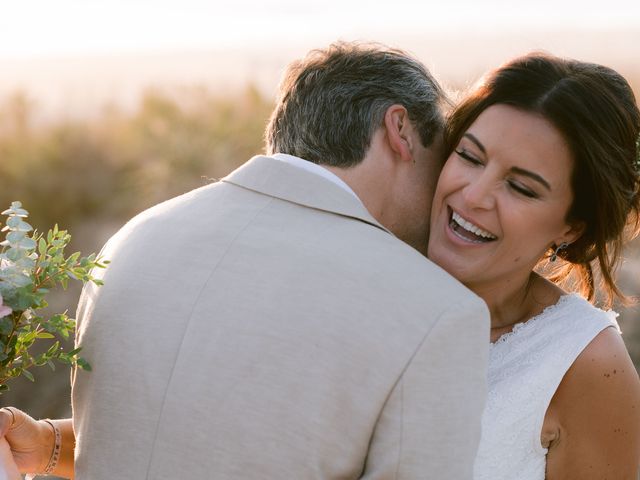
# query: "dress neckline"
{"points": [[528, 324]]}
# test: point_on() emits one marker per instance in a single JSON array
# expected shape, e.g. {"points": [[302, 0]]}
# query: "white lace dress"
{"points": [[525, 369]]}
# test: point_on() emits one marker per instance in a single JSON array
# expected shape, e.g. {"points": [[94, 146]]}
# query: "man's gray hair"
{"points": [[332, 101]]}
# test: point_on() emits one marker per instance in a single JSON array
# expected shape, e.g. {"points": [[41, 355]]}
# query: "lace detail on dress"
{"points": [[531, 322], [526, 366]]}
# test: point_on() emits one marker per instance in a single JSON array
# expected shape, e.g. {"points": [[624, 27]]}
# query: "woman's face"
{"points": [[502, 198]]}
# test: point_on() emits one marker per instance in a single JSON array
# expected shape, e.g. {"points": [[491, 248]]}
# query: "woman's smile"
{"points": [[468, 231]]}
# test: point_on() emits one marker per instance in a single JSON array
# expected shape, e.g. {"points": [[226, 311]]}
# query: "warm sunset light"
{"points": [[74, 56], [353, 268], [36, 27]]}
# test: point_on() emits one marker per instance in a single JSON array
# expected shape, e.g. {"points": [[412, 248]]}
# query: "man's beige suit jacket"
{"points": [[267, 327]]}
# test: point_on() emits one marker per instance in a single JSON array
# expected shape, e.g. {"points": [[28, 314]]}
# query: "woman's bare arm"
{"points": [[595, 415]]}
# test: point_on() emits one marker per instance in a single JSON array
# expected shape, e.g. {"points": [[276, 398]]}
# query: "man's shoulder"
{"points": [[194, 204], [193, 200], [398, 276], [390, 257]]}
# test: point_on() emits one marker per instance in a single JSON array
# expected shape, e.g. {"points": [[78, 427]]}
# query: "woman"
{"points": [[543, 157]]}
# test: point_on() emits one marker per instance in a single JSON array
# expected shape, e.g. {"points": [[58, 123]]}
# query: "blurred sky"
{"points": [[73, 55], [61, 27]]}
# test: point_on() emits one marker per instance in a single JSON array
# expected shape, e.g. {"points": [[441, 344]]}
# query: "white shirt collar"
{"points": [[314, 168]]}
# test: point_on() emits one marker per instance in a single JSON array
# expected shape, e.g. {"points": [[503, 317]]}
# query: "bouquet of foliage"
{"points": [[31, 264]]}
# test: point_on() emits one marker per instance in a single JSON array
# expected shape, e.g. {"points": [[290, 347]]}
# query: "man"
{"points": [[273, 325]]}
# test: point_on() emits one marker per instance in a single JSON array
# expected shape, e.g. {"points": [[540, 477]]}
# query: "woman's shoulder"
{"points": [[604, 363], [597, 407], [570, 311], [583, 311]]}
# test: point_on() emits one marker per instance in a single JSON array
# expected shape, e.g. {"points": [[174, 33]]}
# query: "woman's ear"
{"points": [[399, 131], [573, 232]]}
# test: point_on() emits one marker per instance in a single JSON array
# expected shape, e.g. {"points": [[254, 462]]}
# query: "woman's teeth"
{"points": [[471, 228]]}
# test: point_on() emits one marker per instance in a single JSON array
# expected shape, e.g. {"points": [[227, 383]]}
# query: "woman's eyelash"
{"points": [[464, 154], [524, 191]]}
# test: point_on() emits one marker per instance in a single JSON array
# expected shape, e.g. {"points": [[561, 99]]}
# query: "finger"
{"points": [[10, 469], [7, 418]]}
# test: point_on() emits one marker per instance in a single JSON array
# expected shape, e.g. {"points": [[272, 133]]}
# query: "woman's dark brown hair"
{"points": [[594, 108]]}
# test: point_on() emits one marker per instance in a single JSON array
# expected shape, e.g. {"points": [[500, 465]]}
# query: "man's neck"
{"points": [[371, 189]]}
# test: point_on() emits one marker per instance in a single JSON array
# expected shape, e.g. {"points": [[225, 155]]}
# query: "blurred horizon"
{"points": [[77, 86], [73, 58]]}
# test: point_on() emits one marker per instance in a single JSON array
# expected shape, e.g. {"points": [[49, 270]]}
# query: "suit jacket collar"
{"points": [[287, 182]]}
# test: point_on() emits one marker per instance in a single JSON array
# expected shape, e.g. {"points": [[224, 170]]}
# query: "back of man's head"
{"points": [[332, 101]]}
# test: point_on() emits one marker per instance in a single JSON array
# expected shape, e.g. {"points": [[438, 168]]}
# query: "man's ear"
{"points": [[399, 131]]}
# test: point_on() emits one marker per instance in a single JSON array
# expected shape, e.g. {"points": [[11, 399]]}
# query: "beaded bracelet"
{"points": [[55, 455]]}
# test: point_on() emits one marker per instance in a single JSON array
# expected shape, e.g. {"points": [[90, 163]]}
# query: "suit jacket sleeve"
{"points": [[430, 424]]}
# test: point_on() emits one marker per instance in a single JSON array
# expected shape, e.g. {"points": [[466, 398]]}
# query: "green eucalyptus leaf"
{"points": [[16, 224], [42, 246], [53, 349], [25, 263], [22, 280], [73, 352], [13, 254], [24, 298], [13, 237], [29, 375], [25, 243], [13, 222], [24, 227], [64, 359], [83, 364], [6, 326], [40, 360], [17, 279], [16, 209]]}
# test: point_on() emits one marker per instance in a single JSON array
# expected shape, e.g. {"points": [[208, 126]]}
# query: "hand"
{"points": [[8, 467], [31, 441]]}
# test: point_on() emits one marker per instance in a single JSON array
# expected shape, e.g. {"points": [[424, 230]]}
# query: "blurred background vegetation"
{"points": [[92, 175]]}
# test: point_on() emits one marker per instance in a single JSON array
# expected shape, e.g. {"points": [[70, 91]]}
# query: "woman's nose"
{"points": [[478, 193]]}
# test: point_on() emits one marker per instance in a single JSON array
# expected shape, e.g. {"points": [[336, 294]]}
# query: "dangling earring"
{"points": [[558, 249]]}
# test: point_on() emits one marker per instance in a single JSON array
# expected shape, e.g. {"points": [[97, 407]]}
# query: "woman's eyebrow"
{"points": [[533, 176], [476, 141]]}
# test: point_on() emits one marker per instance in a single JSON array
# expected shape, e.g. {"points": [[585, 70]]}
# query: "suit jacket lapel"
{"points": [[288, 182]]}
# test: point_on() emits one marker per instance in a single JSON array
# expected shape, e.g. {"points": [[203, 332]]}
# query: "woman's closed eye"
{"points": [[468, 157], [521, 189]]}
